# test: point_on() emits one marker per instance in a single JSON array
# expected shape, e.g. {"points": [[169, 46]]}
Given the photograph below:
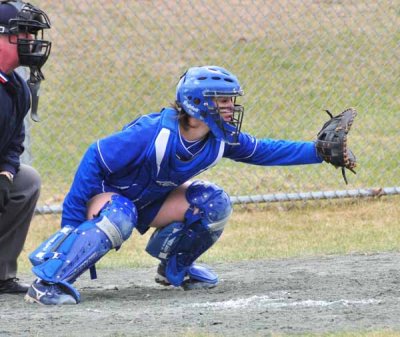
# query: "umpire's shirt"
{"points": [[14, 105]]}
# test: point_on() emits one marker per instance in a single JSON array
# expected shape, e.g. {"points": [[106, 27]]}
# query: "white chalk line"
{"points": [[268, 302]]}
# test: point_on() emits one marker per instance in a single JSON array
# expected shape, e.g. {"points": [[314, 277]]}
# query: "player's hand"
{"points": [[5, 185], [331, 141]]}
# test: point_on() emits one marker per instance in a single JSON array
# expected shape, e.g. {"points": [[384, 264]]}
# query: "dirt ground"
{"points": [[254, 298]]}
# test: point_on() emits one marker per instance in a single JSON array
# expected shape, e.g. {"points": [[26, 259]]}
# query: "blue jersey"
{"points": [[141, 163]]}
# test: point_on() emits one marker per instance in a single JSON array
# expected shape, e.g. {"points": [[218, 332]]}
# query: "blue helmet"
{"points": [[195, 94]]}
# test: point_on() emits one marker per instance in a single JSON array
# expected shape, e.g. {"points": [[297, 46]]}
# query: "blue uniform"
{"points": [[142, 163]]}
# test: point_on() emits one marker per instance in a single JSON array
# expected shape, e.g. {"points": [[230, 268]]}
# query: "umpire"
{"points": [[21, 44]]}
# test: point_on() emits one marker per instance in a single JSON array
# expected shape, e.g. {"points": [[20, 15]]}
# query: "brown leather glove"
{"points": [[331, 141]]}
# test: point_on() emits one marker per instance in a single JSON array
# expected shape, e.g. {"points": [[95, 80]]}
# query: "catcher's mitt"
{"points": [[331, 141]]}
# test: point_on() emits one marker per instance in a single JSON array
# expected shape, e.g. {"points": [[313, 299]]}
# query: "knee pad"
{"points": [[70, 252], [210, 208], [209, 204], [181, 243]]}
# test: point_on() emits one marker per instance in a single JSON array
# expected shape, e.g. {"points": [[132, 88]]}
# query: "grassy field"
{"points": [[267, 231], [274, 231], [293, 59], [115, 60]]}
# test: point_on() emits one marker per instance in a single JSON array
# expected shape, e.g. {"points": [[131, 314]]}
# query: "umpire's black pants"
{"points": [[14, 223]]}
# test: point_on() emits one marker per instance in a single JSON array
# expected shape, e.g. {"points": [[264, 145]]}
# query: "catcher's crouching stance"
{"points": [[71, 251], [141, 178]]}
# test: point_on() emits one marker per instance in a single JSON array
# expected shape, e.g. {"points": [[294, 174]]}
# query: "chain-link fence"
{"points": [[112, 61]]}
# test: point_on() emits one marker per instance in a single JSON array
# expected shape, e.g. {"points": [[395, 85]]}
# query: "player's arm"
{"points": [[272, 152], [104, 158], [87, 183]]}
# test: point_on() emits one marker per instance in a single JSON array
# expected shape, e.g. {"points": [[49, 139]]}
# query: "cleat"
{"points": [[48, 294], [192, 284], [160, 276], [12, 286]]}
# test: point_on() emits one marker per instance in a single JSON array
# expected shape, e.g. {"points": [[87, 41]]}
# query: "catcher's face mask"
{"points": [[198, 92], [28, 25], [227, 116], [25, 27]]}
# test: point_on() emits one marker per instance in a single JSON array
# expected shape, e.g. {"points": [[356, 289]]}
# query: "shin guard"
{"points": [[179, 244], [87, 243], [46, 249]]}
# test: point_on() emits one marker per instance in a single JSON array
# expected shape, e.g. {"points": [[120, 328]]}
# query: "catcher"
{"points": [[140, 178]]}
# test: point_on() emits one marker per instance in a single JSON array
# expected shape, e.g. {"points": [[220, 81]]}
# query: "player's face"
{"points": [[225, 105], [14, 38], [9, 54]]}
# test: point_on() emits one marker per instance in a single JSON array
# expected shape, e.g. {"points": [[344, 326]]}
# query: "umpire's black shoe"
{"points": [[13, 286]]}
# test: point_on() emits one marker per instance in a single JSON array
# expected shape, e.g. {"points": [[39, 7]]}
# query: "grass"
{"points": [[293, 61], [272, 231]]}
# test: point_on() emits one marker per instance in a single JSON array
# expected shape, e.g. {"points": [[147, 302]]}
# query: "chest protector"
{"points": [[161, 171]]}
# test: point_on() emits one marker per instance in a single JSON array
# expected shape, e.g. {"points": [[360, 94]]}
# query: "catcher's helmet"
{"points": [[195, 92], [17, 17]]}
